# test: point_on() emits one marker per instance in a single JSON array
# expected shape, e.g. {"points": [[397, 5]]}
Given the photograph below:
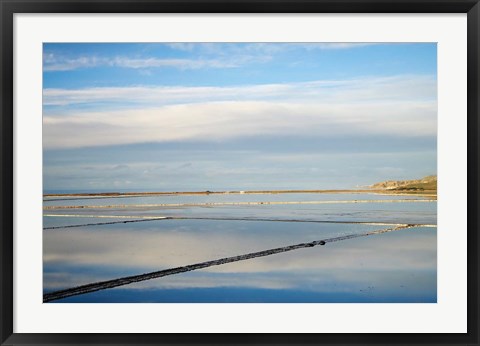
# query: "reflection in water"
{"points": [[393, 267]]}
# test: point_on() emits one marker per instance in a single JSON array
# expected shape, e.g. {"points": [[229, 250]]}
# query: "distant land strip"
{"points": [[209, 204], [68, 196], [156, 218], [102, 285]]}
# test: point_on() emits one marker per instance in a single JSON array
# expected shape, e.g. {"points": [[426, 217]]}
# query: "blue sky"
{"points": [[223, 116]]}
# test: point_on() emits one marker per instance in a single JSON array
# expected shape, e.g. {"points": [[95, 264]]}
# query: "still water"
{"points": [[103, 244]]}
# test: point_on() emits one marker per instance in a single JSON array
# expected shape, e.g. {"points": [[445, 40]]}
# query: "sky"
{"points": [[237, 116]]}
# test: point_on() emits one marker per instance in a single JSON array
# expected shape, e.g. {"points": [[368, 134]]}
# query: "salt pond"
{"points": [[399, 266]]}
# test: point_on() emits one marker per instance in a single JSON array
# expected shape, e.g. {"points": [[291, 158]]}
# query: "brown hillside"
{"points": [[426, 183]]}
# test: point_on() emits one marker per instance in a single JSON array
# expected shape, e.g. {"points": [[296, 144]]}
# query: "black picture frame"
{"points": [[10, 7]]}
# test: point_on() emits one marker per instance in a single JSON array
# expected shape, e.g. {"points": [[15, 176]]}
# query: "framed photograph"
{"points": [[240, 172]]}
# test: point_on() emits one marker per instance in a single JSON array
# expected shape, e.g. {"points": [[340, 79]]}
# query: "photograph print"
{"points": [[240, 172]]}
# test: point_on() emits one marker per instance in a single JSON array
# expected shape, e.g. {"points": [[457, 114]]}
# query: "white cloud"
{"points": [[401, 88], [404, 106], [54, 64], [225, 120], [65, 64], [337, 45], [265, 48], [214, 55], [183, 64]]}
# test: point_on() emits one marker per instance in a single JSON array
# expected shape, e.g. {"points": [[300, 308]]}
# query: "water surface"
{"points": [[393, 267]]}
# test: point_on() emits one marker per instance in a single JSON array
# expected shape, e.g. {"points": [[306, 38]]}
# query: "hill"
{"points": [[427, 183]]}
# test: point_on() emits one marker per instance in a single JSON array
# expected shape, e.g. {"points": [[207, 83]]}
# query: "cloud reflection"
{"points": [[402, 259]]}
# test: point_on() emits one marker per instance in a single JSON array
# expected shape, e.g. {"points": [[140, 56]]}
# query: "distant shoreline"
{"points": [[240, 192]]}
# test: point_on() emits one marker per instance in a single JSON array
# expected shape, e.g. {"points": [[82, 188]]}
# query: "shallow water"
{"points": [[399, 266], [219, 198]]}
